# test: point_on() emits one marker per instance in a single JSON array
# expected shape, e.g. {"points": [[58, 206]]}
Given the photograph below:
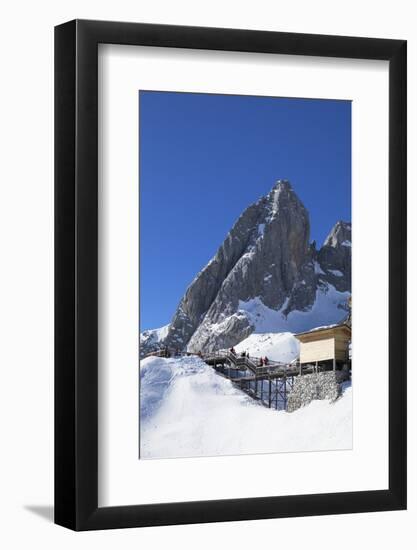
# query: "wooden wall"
{"points": [[318, 350], [324, 345], [341, 349]]}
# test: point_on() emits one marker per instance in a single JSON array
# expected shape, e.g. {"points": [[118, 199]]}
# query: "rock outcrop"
{"points": [[335, 256]]}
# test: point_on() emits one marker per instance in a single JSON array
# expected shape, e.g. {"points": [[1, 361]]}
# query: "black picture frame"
{"points": [[76, 272]]}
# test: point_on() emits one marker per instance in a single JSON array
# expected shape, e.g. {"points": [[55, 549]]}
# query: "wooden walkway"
{"points": [[269, 384], [273, 369]]}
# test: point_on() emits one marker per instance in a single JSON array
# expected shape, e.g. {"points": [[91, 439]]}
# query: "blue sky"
{"points": [[204, 158]]}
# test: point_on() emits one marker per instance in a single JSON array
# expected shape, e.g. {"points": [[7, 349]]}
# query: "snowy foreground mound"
{"points": [[188, 410]]}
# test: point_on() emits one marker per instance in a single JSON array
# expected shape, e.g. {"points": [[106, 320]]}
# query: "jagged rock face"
{"points": [[203, 290], [261, 256], [267, 256], [335, 256]]}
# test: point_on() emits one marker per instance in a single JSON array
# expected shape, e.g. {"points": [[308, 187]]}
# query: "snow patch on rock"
{"points": [[336, 272], [318, 270]]}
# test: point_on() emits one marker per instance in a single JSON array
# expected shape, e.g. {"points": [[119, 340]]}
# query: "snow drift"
{"points": [[188, 410]]}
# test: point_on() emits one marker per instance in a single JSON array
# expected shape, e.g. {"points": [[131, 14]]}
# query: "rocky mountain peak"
{"points": [[335, 256], [266, 268], [340, 235], [281, 194]]}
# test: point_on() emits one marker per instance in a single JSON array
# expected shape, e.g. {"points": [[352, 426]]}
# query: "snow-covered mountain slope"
{"points": [[187, 410], [152, 339], [281, 346], [329, 306]]}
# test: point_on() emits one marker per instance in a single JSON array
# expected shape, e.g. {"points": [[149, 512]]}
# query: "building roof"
{"points": [[329, 328]]}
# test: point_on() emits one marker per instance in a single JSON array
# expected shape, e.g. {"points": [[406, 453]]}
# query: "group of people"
{"points": [[243, 353], [263, 361]]}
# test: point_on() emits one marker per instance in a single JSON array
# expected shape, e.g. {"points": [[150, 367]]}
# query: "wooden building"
{"points": [[327, 346]]}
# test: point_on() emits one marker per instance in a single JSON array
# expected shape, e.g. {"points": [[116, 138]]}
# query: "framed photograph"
{"points": [[230, 254]]}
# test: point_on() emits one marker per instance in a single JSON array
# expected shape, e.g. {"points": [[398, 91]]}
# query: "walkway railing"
{"points": [[254, 364]]}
